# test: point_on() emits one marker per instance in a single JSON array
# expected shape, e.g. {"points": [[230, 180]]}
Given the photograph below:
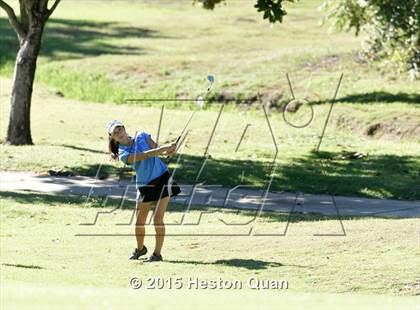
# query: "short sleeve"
{"points": [[141, 142], [123, 155], [145, 136]]}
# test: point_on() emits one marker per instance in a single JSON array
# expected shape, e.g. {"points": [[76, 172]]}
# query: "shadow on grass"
{"points": [[23, 266], [32, 198], [251, 264], [77, 39], [102, 171], [385, 175], [83, 149], [29, 197], [378, 96], [388, 176]]}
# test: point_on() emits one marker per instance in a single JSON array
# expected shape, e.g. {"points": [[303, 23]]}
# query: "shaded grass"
{"points": [[72, 39], [381, 96], [101, 202], [390, 176]]}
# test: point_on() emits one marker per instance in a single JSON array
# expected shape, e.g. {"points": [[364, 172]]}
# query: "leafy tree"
{"points": [[393, 28], [273, 9], [29, 29]]}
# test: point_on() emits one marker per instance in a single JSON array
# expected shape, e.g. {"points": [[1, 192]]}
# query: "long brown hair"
{"points": [[113, 148]]}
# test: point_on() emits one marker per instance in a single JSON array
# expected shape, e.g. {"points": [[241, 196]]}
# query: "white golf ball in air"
{"points": [[199, 102]]}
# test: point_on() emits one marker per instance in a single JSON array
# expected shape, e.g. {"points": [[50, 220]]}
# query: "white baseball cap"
{"points": [[112, 124]]}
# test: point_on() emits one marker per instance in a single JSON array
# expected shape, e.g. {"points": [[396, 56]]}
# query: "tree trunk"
{"points": [[19, 130]]}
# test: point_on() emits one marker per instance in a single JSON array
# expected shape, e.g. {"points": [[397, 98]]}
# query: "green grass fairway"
{"points": [[43, 247]]}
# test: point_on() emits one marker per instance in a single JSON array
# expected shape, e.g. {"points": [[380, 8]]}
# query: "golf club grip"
{"points": [[177, 140]]}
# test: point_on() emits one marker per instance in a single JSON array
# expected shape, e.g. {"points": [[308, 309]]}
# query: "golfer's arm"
{"points": [[144, 155]]}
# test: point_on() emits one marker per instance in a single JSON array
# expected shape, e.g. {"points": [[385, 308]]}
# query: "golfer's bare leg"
{"points": [[158, 222], [142, 211]]}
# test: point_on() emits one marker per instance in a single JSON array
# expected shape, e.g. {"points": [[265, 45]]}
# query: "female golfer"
{"points": [[153, 181]]}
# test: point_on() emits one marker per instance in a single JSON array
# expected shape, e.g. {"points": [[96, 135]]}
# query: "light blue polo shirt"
{"points": [[147, 169]]}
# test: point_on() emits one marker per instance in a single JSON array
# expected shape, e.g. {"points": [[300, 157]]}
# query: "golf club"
{"points": [[201, 98]]}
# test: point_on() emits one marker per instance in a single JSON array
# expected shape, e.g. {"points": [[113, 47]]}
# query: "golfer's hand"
{"points": [[170, 148], [174, 146], [172, 153]]}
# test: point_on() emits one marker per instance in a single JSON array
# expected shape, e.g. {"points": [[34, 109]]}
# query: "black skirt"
{"points": [[158, 188]]}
